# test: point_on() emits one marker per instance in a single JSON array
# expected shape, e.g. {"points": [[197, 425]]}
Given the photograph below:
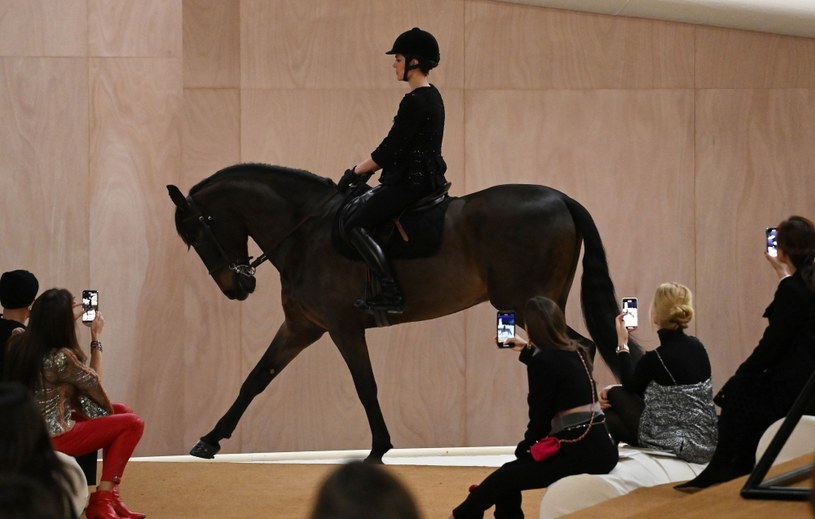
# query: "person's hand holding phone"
{"points": [[622, 329], [514, 343], [97, 325]]}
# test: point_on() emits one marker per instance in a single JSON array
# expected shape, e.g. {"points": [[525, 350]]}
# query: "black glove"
{"points": [[348, 178]]}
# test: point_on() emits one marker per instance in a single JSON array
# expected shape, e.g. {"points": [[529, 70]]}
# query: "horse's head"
{"points": [[220, 240]]}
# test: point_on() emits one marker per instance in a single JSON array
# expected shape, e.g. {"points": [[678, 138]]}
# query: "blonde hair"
{"points": [[673, 306]]}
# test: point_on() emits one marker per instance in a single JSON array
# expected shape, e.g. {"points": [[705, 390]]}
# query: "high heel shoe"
{"points": [[121, 509], [100, 506]]}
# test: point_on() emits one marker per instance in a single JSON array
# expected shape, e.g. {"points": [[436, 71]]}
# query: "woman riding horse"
{"points": [[410, 158]]}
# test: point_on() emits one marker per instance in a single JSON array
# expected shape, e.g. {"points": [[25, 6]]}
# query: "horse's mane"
{"points": [[260, 171], [254, 171]]}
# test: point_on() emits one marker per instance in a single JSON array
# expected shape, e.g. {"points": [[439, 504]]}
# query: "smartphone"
{"points": [[90, 304], [771, 233], [506, 327], [630, 317]]}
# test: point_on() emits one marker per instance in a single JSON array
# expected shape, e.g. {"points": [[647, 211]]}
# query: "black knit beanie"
{"points": [[18, 289]]}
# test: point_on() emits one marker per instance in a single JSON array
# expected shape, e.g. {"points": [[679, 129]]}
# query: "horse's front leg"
{"points": [[288, 342], [354, 350]]}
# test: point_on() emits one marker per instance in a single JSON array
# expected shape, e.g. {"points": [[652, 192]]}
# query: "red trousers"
{"points": [[117, 435]]}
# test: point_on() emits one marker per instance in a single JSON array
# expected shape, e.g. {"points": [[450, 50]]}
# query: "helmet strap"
{"points": [[409, 67]]}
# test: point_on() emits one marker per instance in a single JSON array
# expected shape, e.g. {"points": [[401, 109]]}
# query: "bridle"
{"points": [[209, 248], [213, 254]]}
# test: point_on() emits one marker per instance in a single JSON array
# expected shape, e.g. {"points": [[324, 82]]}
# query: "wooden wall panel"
{"points": [[212, 54], [741, 59], [43, 152], [135, 151], [143, 28], [496, 388], [527, 47], [318, 44], [43, 28], [754, 168]]}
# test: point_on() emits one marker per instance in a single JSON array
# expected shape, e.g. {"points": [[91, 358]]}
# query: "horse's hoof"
{"points": [[205, 450]]}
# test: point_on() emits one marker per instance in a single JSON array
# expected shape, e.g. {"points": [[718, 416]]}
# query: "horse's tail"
{"points": [[597, 297]]}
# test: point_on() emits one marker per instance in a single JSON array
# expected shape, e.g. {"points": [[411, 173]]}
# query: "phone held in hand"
{"points": [[770, 234], [506, 327], [90, 305], [630, 314]]}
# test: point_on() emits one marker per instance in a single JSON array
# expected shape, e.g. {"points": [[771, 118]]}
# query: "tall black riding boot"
{"points": [[390, 297]]}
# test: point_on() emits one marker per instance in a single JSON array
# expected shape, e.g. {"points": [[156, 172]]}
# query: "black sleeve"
{"points": [[786, 314], [405, 125], [542, 387], [637, 379]]}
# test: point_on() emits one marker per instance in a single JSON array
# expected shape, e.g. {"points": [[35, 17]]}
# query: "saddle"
{"points": [[415, 233]]}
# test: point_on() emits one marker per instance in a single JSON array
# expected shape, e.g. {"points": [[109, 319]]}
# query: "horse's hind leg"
{"points": [[285, 346], [354, 350]]}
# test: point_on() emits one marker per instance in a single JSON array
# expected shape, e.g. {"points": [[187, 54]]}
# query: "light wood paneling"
{"points": [[741, 59], [43, 28], [211, 132], [212, 54], [43, 152], [496, 388], [754, 169], [318, 44], [135, 150], [143, 28], [527, 47]]}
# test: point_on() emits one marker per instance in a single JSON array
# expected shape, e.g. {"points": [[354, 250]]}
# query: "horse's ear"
{"points": [[178, 197]]}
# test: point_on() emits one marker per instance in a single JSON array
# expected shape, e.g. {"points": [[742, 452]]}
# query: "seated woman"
{"points": [[765, 386], [26, 452], [562, 403], [79, 416], [666, 401]]}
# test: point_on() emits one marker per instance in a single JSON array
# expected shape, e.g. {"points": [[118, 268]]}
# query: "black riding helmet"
{"points": [[419, 45]]}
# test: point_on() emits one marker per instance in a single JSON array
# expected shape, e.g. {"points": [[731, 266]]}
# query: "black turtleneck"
{"points": [[683, 355]]}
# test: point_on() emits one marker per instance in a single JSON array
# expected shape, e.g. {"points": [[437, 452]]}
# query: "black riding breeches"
{"points": [[387, 202], [623, 417]]}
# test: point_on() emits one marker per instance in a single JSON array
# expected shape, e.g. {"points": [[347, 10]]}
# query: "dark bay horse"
{"points": [[289, 213]]}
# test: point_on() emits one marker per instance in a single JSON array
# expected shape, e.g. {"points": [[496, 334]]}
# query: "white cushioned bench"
{"points": [[639, 468]]}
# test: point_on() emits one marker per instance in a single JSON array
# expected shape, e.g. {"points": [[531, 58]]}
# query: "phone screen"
{"points": [[506, 327], [90, 304], [771, 234], [630, 317]]}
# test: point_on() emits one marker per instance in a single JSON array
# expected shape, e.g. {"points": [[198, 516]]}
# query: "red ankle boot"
{"points": [[100, 506], [121, 509]]}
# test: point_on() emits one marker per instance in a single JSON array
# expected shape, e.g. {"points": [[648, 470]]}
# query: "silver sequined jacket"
{"points": [[69, 385]]}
